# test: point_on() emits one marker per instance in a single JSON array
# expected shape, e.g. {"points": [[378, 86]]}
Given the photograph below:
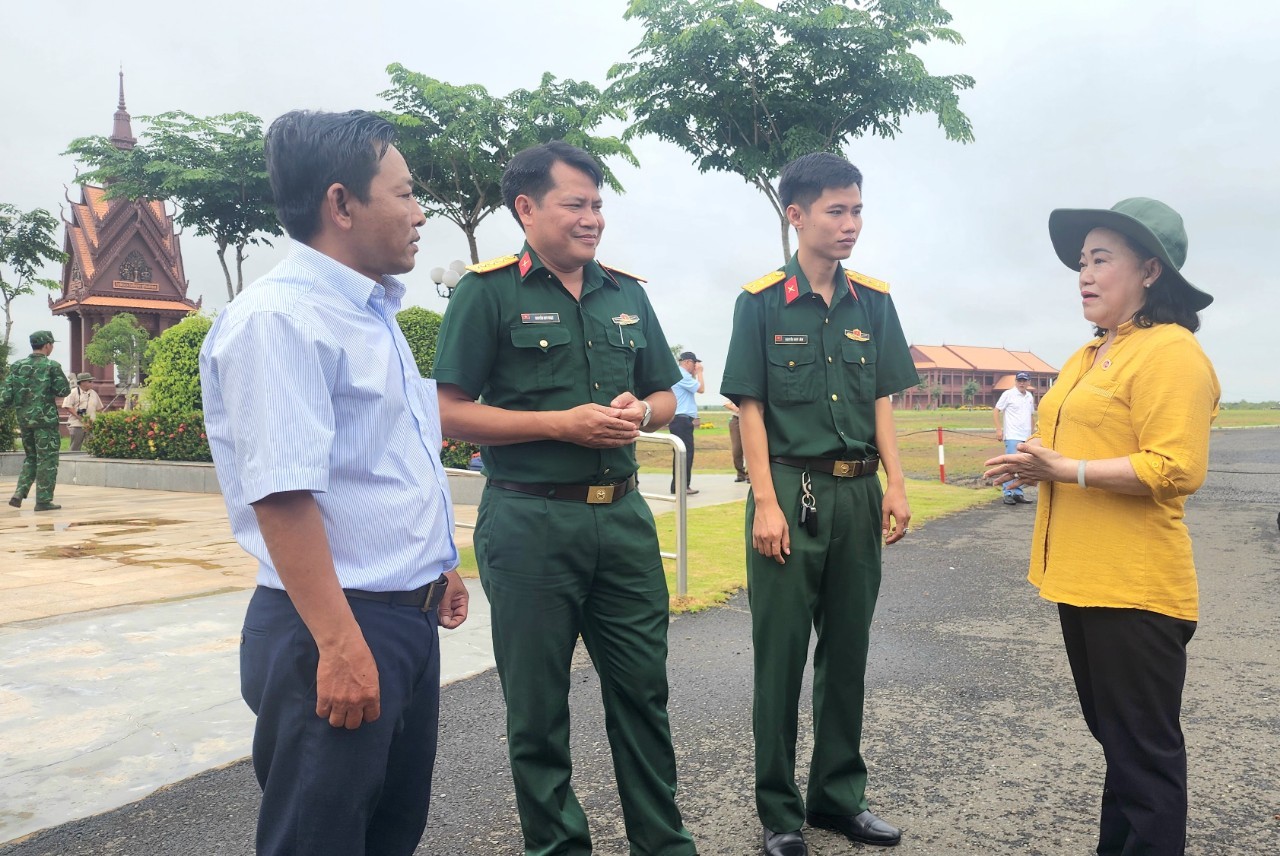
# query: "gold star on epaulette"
{"points": [[623, 272], [492, 264], [758, 285], [870, 282]]}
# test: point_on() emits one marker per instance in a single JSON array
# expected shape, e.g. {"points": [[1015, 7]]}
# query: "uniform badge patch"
{"points": [[791, 289], [791, 339], [539, 317], [857, 335], [624, 319], [525, 264]]}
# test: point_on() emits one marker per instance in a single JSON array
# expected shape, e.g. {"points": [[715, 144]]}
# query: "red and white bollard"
{"points": [[942, 458]]}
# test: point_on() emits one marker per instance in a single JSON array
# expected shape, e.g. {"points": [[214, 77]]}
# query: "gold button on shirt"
{"points": [[1152, 398]]}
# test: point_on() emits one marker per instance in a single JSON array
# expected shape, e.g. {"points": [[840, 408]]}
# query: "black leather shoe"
{"points": [[1017, 497], [740, 479], [15, 501], [1009, 500], [864, 828], [784, 843], [47, 506]]}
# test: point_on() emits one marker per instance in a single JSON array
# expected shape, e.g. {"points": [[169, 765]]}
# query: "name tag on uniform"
{"points": [[539, 317], [857, 335], [791, 339]]}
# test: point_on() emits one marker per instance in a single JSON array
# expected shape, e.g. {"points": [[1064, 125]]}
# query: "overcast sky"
{"points": [[1078, 103]]}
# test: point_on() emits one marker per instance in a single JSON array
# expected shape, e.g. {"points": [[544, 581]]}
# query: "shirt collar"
{"points": [[593, 275], [792, 269], [351, 284]]}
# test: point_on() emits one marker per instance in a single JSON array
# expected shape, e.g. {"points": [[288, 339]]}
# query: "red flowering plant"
{"points": [[455, 454], [148, 435]]}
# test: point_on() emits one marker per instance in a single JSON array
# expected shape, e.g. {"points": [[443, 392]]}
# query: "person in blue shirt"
{"points": [[683, 423], [326, 442]]}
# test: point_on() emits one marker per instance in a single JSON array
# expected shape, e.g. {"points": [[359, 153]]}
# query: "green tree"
{"points": [[421, 328], [458, 139], [745, 88], [173, 366], [8, 417], [971, 391], [213, 168], [121, 342], [26, 242]]}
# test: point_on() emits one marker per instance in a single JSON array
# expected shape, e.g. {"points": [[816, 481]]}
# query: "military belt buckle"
{"points": [[845, 469], [600, 494]]}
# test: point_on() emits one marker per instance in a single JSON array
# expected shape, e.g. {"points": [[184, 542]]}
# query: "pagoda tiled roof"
{"points": [[142, 303]]}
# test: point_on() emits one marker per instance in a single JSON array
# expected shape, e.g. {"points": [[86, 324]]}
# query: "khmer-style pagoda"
{"points": [[122, 256]]}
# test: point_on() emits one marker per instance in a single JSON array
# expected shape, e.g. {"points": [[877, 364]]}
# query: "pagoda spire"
{"points": [[122, 131]]}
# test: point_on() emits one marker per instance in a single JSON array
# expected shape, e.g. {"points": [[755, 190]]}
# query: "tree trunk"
{"points": [[8, 320], [226, 272], [239, 268], [470, 230], [786, 238], [766, 187]]}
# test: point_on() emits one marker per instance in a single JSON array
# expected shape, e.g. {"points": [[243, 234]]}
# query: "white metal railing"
{"points": [[681, 499]]}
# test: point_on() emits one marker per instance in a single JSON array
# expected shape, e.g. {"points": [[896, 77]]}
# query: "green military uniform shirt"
{"points": [[817, 370], [31, 387], [515, 337]]}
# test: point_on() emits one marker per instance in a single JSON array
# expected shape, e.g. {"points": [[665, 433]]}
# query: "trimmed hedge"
{"points": [[148, 435]]}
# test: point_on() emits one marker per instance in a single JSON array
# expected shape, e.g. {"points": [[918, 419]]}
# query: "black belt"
{"points": [[592, 494], [426, 598], [839, 469], [683, 416]]}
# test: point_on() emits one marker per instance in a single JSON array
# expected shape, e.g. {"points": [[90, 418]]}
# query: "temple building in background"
{"points": [[956, 375], [122, 256]]}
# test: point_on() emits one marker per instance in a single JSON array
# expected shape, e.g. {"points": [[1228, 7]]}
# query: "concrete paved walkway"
{"points": [[120, 618]]}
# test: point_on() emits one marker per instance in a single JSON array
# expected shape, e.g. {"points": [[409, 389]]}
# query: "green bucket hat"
{"points": [[1151, 224], [40, 338], [83, 376]]}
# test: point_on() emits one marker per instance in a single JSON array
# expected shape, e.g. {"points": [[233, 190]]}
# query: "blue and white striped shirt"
{"points": [[309, 384]]}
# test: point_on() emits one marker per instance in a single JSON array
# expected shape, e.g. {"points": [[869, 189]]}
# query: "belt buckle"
{"points": [[600, 494], [433, 599], [844, 469]]}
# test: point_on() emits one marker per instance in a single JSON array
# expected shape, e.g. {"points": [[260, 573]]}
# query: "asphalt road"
{"points": [[973, 736]]}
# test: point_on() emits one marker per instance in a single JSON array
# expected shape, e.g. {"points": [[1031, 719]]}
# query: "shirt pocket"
{"points": [[859, 360], [793, 374], [544, 354], [1088, 404], [619, 356]]}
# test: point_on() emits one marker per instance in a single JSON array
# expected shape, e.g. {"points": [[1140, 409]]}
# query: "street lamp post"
{"points": [[446, 279]]}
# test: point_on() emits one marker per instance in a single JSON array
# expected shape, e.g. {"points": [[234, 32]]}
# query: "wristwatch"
{"points": [[648, 414]]}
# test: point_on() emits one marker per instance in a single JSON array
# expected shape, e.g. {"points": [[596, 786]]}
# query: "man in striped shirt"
{"points": [[326, 442]]}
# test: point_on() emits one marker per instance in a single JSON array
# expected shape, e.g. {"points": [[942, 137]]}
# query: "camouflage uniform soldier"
{"points": [[32, 387]]}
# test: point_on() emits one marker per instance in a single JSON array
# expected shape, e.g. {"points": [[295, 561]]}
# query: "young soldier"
{"points": [[32, 388], [571, 364], [815, 353]]}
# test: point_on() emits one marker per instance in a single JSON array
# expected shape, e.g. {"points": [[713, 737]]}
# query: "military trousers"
{"points": [[40, 465], [829, 583], [554, 570]]}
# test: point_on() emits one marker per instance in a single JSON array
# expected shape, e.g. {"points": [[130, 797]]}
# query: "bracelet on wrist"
{"points": [[1080, 475]]}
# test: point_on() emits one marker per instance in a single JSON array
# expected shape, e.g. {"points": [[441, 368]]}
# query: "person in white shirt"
{"points": [[83, 404], [1013, 416]]}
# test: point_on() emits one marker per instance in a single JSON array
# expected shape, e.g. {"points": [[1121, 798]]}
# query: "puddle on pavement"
{"points": [[119, 553]]}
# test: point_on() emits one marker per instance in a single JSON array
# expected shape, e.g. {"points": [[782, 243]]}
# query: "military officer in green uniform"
{"points": [[32, 388], [570, 364], [815, 354]]}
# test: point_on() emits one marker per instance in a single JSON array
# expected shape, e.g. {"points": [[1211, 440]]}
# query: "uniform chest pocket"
{"points": [[544, 355], [794, 374], [619, 356], [859, 360]]}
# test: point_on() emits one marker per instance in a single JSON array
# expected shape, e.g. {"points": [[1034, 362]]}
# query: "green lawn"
{"points": [[717, 541]]}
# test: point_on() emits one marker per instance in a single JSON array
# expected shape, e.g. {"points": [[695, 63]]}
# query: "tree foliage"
{"points": [[121, 342], [745, 88], [458, 139], [27, 242], [8, 416], [213, 168], [421, 328], [173, 367]]}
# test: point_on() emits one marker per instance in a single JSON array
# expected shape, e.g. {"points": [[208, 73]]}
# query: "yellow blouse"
{"points": [[1152, 398]]}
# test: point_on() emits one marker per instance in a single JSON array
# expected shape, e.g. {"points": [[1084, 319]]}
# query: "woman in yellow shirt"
{"points": [[1123, 440]]}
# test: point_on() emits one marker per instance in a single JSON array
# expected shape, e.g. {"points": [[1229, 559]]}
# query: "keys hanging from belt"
{"points": [[808, 505]]}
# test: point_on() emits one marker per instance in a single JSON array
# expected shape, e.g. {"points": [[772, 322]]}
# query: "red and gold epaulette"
{"points": [[623, 272], [758, 285], [493, 264], [870, 282]]}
